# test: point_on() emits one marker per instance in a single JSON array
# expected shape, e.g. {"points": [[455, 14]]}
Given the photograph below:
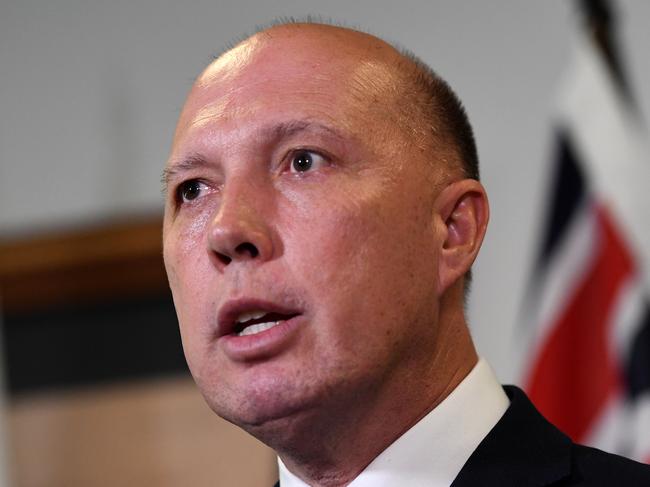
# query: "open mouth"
{"points": [[253, 322]]}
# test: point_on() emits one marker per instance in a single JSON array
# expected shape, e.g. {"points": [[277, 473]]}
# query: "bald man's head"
{"points": [[422, 103], [319, 211]]}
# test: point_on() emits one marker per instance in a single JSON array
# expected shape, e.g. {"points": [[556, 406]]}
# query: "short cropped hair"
{"points": [[444, 113], [446, 120]]}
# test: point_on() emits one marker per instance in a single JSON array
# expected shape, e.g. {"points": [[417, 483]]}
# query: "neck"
{"points": [[332, 446]]}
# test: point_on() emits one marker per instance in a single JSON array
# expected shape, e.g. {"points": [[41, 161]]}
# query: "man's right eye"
{"points": [[190, 190]]}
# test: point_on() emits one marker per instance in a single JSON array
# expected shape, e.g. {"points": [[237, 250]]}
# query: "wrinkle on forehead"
{"points": [[228, 111], [228, 104]]}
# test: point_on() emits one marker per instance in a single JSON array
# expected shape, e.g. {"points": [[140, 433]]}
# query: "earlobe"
{"points": [[463, 211]]}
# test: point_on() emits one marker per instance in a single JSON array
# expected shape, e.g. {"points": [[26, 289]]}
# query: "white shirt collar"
{"points": [[435, 449]]}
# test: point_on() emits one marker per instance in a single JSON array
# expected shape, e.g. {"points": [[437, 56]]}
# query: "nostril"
{"points": [[243, 251], [247, 248]]}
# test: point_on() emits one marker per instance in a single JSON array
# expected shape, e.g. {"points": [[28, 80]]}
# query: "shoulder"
{"points": [[525, 450], [596, 468], [586, 466]]}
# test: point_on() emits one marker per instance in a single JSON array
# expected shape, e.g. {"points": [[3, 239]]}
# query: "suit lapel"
{"points": [[523, 449]]}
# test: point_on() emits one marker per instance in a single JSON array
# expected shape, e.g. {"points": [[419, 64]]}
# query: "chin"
{"points": [[271, 414], [255, 406], [278, 425]]}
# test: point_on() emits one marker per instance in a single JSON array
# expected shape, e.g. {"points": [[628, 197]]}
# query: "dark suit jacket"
{"points": [[525, 450]]}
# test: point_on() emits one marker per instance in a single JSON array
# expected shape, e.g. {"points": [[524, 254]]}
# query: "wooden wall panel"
{"points": [[158, 433], [91, 265]]}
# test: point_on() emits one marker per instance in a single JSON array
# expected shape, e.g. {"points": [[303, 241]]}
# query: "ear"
{"points": [[462, 213]]}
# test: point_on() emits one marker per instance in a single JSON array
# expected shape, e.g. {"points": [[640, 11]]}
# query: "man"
{"points": [[323, 213]]}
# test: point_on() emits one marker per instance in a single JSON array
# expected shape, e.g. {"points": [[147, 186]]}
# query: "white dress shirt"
{"points": [[435, 449]]}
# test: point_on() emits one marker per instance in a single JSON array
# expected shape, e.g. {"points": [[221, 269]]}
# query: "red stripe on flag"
{"points": [[575, 372]]}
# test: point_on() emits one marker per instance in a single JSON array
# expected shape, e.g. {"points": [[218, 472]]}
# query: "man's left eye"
{"points": [[305, 160]]}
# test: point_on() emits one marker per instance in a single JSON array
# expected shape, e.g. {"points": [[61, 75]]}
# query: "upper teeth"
{"points": [[258, 328], [250, 315]]}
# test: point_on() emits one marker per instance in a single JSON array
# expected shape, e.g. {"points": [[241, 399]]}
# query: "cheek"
{"points": [[324, 241], [186, 266], [357, 254], [185, 249], [370, 264]]}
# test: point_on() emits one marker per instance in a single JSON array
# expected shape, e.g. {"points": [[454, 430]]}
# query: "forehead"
{"points": [[294, 76]]}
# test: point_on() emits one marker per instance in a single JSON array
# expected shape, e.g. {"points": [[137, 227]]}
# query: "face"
{"points": [[298, 239]]}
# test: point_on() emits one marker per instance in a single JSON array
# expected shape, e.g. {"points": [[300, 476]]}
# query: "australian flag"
{"points": [[587, 311]]}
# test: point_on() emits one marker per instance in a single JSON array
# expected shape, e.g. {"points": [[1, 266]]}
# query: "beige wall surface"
{"points": [[157, 433]]}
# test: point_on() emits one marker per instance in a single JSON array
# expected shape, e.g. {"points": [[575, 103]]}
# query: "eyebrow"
{"points": [[190, 162], [275, 132], [287, 129]]}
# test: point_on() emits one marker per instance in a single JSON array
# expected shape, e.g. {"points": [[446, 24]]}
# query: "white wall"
{"points": [[90, 89]]}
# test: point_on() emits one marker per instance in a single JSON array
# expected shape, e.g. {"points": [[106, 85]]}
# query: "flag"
{"points": [[587, 309]]}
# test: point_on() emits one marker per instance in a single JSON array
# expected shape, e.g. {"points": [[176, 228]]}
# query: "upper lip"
{"points": [[231, 310]]}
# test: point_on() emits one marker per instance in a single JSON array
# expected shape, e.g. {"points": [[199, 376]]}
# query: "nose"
{"points": [[240, 230]]}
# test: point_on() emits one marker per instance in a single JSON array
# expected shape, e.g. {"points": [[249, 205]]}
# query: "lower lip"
{"points": [[262, 345]]}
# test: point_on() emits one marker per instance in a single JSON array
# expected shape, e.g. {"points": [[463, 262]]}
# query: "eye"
{"points": [[305, 160], [190, 190]]}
